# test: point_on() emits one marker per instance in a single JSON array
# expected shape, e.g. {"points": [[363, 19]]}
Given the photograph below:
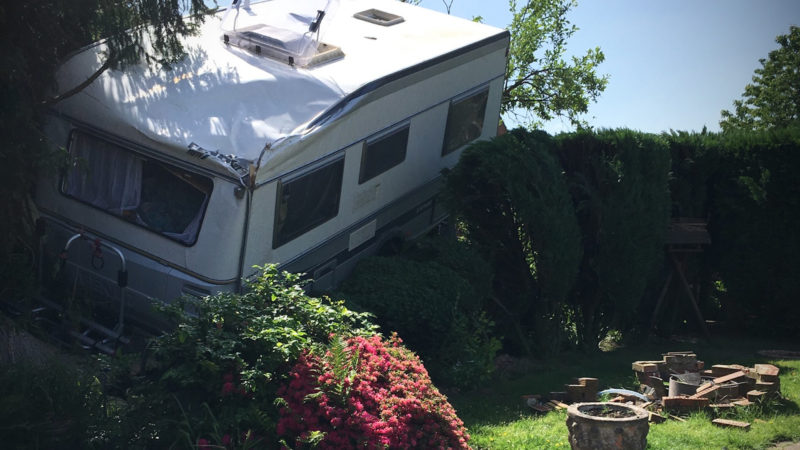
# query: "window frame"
{"points": [[172, 167], [279, 240], [377, 139], [481, 91]]}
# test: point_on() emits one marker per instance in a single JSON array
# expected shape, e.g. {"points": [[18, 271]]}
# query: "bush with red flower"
{"points": [[366, 393], [211, 381]]}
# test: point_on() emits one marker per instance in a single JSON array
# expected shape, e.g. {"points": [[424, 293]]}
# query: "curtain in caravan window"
{"points": [[157, 196], [104, 175]]}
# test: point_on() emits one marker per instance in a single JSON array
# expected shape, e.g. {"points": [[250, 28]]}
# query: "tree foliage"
{"points": [[541, 83], [773, 98], [37, 37]]}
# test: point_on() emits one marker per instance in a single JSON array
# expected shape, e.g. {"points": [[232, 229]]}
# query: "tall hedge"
{"points": [[746, 183], [513, 200], [619, 184], [573, 226]]}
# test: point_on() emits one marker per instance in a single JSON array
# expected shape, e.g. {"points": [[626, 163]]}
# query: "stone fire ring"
{"points": [[597, 432]]}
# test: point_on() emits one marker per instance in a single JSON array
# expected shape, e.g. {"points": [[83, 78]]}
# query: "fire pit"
{"points": [[606, 426]]}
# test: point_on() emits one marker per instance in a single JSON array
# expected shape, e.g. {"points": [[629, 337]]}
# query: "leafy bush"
{"points": [[52, 406], [366, 393], [213, 378], [436, 308]]}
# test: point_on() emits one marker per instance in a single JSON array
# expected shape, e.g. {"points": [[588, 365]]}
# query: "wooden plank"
{"points": [[707, 392], [719, 370], [558, 405], [674, 417], [731, 424], [735, 376]]}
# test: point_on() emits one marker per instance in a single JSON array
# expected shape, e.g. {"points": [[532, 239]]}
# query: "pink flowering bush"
{"points": [[366, 393]]}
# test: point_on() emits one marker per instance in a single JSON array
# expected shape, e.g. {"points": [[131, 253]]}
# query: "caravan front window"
{"points": [[464, 121], [149, 193], [307, 201]]}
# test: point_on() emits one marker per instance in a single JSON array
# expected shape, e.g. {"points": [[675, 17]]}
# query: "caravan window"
{"points": [[307, 201], [149, 193], [464, 121], [383, 153]]}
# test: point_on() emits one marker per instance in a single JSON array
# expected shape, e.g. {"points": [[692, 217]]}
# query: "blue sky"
{"points": [[673, 64]]}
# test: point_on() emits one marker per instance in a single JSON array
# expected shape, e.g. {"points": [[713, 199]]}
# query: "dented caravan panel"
{"points": [[251, 170]]}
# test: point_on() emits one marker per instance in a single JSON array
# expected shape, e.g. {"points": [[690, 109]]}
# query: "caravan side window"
{"points": [[305, 202], [464, 121], [383, 153], [149, 193]]}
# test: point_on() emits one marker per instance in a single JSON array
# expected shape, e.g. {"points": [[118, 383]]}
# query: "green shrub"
{"points": [[619, 184], [436, 308], [214, 377], [513, 200], [52, 405]]}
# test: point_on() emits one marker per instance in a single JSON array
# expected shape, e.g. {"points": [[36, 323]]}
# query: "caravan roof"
{"points": [[227, 99]]}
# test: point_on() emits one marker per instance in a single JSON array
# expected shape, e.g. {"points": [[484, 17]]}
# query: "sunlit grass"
{"points": [[496, 418]]}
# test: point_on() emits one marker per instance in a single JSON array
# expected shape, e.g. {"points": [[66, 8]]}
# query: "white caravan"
{"points": [[302, 133]]}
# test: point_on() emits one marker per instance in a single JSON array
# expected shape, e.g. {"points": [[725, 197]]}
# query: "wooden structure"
{"points": [[685, 236]]}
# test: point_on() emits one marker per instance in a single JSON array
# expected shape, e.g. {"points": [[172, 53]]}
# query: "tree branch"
{"points": [[81, 86]]}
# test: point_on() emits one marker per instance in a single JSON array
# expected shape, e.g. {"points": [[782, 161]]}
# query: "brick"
{"points": [[739, 375], [590, 383], [769, 378], [731, 424], [645, 366], [700, 365], [768, 387], [755, 395], [767, 369], [684, 403], [578, 393]]}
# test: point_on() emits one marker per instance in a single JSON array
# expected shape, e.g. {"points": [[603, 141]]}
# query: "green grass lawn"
{"points": [[496, 418]]}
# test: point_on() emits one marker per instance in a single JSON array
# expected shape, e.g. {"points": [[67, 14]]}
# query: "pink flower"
{"points": [[203, 443], [227, 388]]}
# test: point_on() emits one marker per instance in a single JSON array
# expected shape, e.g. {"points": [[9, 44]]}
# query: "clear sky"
{"points": [[673, 64]]}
